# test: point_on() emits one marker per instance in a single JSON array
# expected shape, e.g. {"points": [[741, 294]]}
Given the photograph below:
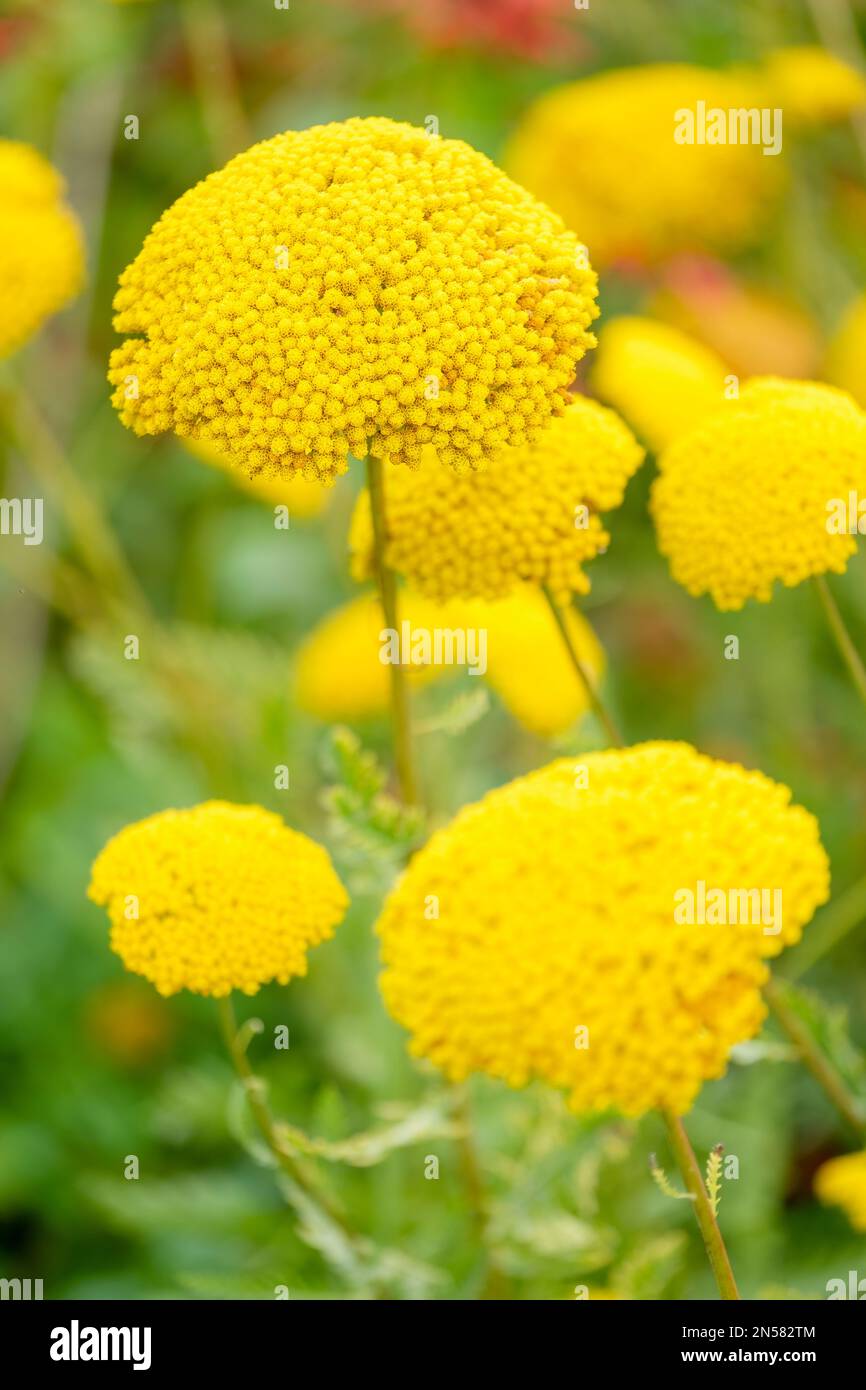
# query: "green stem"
{"points": [[215, 78], [495, 1282], [709, 1226], [813, 1059], [837, 919], [255, 1093], [388, 595], [841, 635], [584, 675]]}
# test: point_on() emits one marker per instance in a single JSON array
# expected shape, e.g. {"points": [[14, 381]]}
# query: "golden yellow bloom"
{"points": [[360, 285], [340, 676], [846, 356], [602, 152], [812, 86], [842, 1182], [216, 898], [41, 253], [531, 515], [659, 378], [541, 934], [753, 494], [305, 497]]}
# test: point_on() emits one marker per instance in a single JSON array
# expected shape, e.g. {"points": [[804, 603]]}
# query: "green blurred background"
{"points": [[93, 1065]]}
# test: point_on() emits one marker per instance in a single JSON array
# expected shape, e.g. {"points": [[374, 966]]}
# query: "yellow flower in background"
{"points": [[531, 516], [755, 493], [360, 286], [538, 936], [340, 676], [846, 356], [216, 898], [842, 1182], [41, 251], [812, 86], [602, 153], [660, 379], [305, 497]]}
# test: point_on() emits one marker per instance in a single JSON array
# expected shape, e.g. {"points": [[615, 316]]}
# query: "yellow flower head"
{"points": [[602, 152], [358, 287], [216, 898], [842, 1182], [41, 254], [305, 497], [659, 378], [846, 356], [754, 494], [531, 515], [561, 950], [341, 677], [813, 87]]}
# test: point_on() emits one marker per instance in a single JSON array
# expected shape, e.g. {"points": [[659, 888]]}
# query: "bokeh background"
{"points": [[144, 538]]}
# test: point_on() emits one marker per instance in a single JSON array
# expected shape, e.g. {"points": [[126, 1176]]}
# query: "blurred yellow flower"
{"points": [[530, 516], [755, 493], [305, 497], [539, 934], [602, 152], [842, 1182], [216, 898], [41, 250], [340, 676], [129, 1022], [660, 379], [846, 355], [812, 86], [357, 287]]}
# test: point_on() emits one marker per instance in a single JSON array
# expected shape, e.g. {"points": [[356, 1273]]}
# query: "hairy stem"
{"points": [[709, 1226]]}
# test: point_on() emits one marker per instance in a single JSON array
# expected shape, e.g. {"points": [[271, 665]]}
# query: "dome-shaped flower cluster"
{"points": [[216, 898], [659, 378], [842, 1182], [538, 935], [41, 254], [753, 495], [602, 153], [532, 515], [527, 664], [357, 287]]}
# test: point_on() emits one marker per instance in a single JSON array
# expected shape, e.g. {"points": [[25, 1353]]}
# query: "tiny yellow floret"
{"points": [[216, 898]]}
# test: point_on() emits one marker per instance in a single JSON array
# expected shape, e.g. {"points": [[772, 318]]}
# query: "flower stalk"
{"points": [[704, 1214], [387, 582], [814, 1060], [583, 673], [841, 636]]}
